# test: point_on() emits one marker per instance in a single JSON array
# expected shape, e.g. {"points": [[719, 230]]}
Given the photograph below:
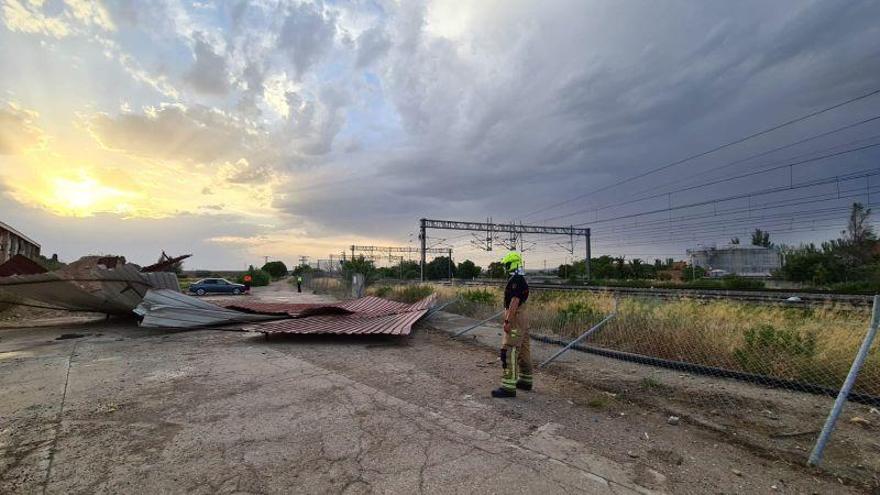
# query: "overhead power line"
{"points": [[763, 192], [705, 153], [721, 181], [653, 190]]}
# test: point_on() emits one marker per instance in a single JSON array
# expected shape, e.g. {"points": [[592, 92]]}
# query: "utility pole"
{"points": [[588, 261], [449, 264], [424, 240], [267, 260]]}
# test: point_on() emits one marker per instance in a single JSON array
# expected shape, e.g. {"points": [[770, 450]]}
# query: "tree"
{"points": [[761, 238], [496, 270], [260, 278], [468, 270], [362, 266], [636, 267], [439, 268], [859, 238], [52, 263], [851, 258], [694, 273], [276, 269], [301, 270], [409, 270]]}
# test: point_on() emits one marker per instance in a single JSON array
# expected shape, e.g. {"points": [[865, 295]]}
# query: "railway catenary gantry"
{"points": [[507, 228]]}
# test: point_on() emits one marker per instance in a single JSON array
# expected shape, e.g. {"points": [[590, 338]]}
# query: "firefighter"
{"points": [[516, 358], [299, 283]]}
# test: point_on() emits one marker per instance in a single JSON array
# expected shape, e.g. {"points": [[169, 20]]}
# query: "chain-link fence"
{"points": [[333, 285], [766, 375]]}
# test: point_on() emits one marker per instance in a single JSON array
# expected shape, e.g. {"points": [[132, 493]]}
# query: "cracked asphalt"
{"points": [[130, 410]]}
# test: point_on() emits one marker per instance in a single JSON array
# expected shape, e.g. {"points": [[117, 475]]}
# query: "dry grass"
{"points": [[809, 345]]}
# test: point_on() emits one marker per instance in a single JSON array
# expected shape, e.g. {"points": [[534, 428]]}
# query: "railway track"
{"points": [[782, 298]]}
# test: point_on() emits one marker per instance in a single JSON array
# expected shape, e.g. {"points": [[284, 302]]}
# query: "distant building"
{"points": [[742, 260], [13, 242]]}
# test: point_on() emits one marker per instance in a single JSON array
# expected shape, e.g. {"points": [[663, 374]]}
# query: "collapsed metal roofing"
{"points": [[368, 315], [95, 284]]}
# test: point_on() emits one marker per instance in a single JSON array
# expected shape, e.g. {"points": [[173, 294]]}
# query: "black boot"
{"points": [[503, 393], [524, 385]]}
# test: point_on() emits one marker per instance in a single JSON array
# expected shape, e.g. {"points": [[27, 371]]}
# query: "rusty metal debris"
{"points": [[100, 284], [368, 315], [165, 264]]}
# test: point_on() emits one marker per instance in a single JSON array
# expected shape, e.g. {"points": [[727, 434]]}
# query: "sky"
{"points": [[238, 130]]}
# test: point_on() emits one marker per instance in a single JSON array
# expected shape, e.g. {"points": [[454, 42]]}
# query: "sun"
{"points": [[84, 196]]}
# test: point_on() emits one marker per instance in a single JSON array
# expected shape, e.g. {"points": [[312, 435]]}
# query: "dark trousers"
{"points": [[299, 287]]}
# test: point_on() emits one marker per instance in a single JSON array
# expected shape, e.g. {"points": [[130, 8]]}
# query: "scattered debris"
{"points": [[110, 407], [165, 264], [860, 421], [367, 315], [166, 308], [632, 454], [100, 284], [736, 472], [673, 420]]}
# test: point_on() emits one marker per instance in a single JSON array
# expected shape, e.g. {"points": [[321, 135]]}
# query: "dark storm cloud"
{"points": [[555, 114]]}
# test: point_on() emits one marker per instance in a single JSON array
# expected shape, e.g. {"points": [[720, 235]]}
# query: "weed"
{"points": [[651, 383], [479, 296]]}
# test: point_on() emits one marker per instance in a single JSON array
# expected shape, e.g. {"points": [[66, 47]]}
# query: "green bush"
{"points": [[260, 278], [414, 293], [276, 269], [576, 312], [479, 296]]}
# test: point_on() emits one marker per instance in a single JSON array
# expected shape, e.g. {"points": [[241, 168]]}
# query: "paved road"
{"points": [[130, 410]]}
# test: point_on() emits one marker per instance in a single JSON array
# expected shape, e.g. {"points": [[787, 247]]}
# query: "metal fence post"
{"points": [[586, 334], [468, 329], [822, 441], [436, 308]]}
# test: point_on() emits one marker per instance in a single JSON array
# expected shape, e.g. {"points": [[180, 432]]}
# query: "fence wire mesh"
{"points": [[333, 285], [767, 373]]}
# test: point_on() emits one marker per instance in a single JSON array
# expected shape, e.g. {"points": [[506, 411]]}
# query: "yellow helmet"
{"points": [[512, 261]]}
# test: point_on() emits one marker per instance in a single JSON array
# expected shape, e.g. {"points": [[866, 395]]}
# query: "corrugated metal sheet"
{"points": [[162, 280], [99, 284], [285, 309], [395, 324], [167, 308], [115, 291], [373, 316]]}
